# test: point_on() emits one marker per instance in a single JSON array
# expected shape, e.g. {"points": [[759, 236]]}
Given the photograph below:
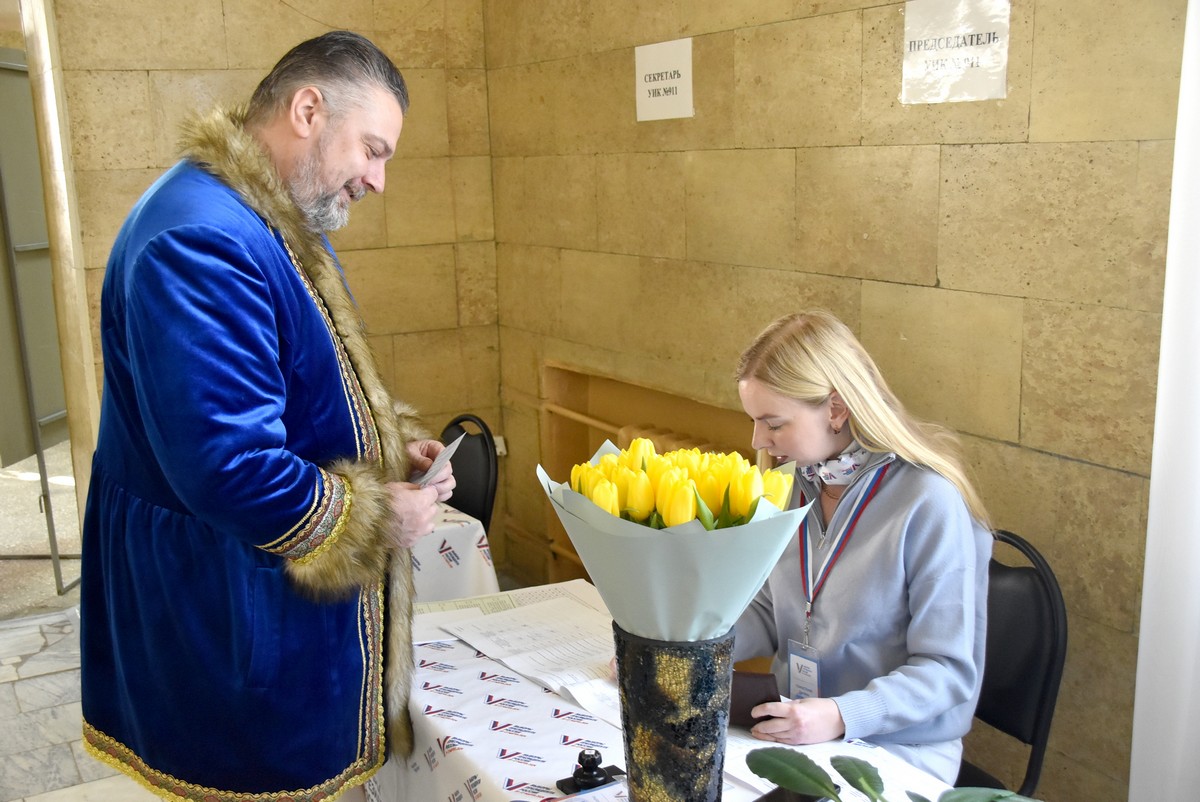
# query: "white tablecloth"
{"points": [[489, 734], [484, 733], [454, 561]]}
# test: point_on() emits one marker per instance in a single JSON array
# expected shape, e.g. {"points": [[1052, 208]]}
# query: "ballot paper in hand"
{"points": [[424, 478]]}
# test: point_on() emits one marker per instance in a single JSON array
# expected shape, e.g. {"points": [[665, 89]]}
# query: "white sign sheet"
{"points": [[955, 50], [663, 80]]}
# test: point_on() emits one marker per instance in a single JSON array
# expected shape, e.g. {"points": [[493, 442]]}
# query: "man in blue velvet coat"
{"points": [[248, 499]]}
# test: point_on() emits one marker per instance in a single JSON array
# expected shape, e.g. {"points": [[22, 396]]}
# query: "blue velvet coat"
{"points": [[233, 610]]}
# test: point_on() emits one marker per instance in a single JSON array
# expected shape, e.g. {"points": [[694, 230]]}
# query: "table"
{"points": [[484, 733], [455, 560]]}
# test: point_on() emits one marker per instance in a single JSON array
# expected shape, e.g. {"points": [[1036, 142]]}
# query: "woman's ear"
{"points": [[838, 413]]}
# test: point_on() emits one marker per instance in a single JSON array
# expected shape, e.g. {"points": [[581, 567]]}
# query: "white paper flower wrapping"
{"points": [[682, 583]]}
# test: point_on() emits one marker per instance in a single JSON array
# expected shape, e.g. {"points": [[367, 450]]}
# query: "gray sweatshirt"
{"points": [[900, 621]]}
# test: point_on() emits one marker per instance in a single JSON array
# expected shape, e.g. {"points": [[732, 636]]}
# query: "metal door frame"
{"points": [[35, 423]]}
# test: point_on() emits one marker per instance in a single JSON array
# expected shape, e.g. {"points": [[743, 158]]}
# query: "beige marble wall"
{"points": [[1003, 260], [420, 259]]}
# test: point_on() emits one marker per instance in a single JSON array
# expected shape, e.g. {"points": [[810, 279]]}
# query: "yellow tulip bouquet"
{"points": [[662, 490], [677, 544]]}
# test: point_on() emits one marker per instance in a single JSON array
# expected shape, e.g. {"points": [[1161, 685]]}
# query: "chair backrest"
{"points": [[474, 468], [1026, 649]]}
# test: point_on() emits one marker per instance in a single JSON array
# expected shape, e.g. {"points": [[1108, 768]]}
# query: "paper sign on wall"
{"points": [[955, 50], [663, 80]]}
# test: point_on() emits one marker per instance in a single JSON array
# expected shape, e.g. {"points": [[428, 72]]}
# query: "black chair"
{"points": [[474, 468], [1026, 649]]}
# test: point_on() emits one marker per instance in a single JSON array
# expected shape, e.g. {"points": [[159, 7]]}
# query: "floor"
{"points": [[27, 586], [40, 737], [41, 752]]}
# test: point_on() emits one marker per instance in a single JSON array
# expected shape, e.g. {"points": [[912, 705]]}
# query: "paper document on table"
{"points": [[580, 590], [425, 477], [601, 697], [556, 643], [428, 627]]}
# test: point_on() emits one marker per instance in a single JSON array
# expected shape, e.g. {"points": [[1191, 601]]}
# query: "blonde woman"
{"points": [[875, 615]]}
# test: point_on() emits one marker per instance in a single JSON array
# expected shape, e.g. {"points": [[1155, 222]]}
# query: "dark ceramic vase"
{"points": [[675, 710]]}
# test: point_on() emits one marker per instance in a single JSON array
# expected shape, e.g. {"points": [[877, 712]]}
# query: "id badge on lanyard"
{"points": [[804, 660], [804, 671]]}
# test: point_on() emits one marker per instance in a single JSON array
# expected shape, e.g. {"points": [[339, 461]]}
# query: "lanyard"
{"points": [[813, 585]]}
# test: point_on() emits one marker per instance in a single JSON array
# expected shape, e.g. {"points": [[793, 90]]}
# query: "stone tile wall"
{"points": [[420, 259], [1003, 260]]}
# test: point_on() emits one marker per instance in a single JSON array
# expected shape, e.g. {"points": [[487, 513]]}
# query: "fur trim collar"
{"points": [[219, 143]]}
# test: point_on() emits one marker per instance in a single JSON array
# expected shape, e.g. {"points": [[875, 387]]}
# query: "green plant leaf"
{"points": [[860, 774], [724, 518], [753, 508], [703, 513], [915, 797], [792, 770], [981, 795]]}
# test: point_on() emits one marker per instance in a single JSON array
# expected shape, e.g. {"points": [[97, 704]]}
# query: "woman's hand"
{"points": [[804, 721]]}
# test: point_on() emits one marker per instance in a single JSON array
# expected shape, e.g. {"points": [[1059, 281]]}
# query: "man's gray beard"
{"points": [[323, 211]]}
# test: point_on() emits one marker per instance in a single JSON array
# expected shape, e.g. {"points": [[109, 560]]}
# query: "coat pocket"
{"points": [[266, 626]]}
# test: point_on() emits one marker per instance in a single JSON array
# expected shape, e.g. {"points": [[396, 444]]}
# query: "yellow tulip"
{"points": [[777, 487], [744, 488], [688, 459], [608, 465], [655, 468], [637, 499], [584, 481], [666, 486], [620, 478], [712, 484], [638, 455], [680, 504], [605, 496]]}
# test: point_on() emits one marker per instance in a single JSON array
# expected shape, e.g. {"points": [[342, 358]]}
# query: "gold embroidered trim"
{"points": [[112, 752], [369, 447], [373, 723], [317, 498], [324, 522], [323, 546]]}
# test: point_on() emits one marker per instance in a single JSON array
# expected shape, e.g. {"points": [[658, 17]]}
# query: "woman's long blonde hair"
{"points": [[809, 355]]}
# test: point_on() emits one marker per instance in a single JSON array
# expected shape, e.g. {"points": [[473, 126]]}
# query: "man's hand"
{"points": [[421, 454], [413, 511], [804, 721]]}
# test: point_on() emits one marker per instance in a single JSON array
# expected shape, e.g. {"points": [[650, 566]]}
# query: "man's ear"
{"points": [[307, 112]]}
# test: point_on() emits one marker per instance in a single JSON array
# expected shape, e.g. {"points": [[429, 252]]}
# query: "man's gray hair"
{"points": [[342, 64]]}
